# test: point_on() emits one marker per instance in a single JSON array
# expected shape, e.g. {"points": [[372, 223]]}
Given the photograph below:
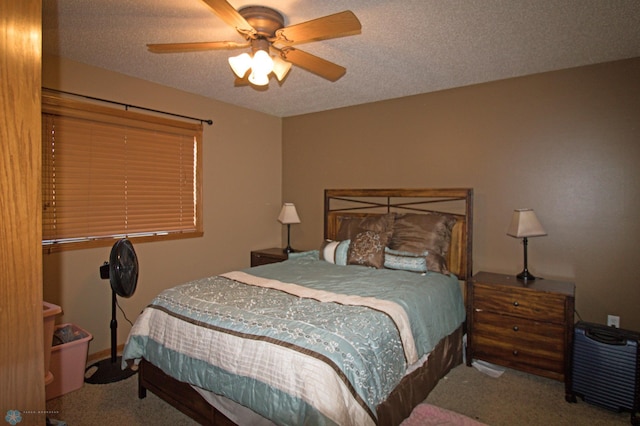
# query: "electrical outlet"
{"points": [[613, 321]]}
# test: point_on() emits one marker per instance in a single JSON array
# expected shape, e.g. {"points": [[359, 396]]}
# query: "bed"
{"points": [[357, 331]]}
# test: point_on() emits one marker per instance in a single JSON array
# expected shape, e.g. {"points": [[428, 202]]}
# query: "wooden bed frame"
{"points": [[338, 204]]}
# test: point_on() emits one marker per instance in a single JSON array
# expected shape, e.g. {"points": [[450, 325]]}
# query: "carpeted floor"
{"points": [[114, 404], [516, 398], [512, 399]]}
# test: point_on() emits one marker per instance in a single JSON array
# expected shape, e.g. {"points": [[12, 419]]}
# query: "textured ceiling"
{"points": [[405, 47]]}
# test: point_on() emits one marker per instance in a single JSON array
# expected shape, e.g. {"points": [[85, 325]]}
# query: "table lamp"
{"points": [[288, 215], [525, 224]]}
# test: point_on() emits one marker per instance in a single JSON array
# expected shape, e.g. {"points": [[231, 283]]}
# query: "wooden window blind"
{"points": [[111, 173]]}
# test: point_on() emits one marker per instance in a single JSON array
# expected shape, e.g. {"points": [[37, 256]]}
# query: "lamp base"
{"points": [[288, 249], [525, 276]]}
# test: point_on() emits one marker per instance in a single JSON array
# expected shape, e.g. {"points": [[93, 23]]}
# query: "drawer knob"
{"points": [[515, 352], [516, 303], [516, 328]]}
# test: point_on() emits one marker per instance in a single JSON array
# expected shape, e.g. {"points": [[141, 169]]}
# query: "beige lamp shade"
{"points": [[524, 223], [240, 64], [280, 67], [258, 79], [288, 214]]}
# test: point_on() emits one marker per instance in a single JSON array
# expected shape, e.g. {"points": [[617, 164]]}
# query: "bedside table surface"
{"points": [[273, 251], [539, 284]]}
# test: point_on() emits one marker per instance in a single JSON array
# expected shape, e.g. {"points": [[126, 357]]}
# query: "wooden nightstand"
{"points": [[527, 327], [265, 256]]}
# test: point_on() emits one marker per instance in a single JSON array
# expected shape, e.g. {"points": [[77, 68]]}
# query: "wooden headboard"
{"points": [[344, 203]]}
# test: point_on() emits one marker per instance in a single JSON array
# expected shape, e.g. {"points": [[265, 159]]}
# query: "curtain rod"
{"points": [[127, 106]]}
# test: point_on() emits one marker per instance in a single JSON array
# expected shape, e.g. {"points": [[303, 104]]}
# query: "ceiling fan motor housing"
{"points": [[264, 20]]}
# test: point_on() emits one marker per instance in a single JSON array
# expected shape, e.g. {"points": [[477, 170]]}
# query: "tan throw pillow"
{"points": [[352, 226], [416, 233]]}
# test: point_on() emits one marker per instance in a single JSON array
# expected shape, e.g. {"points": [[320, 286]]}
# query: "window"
{"points": [[109, 173]]}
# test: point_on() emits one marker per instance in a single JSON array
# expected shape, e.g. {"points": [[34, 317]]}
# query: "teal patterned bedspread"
{"points": [[433, 301]]}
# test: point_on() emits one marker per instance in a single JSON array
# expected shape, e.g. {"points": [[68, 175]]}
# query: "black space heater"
{"points": [[606, 368]]}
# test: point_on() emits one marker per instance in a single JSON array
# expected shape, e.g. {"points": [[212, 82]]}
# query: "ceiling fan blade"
{"points": [[336, 25], [230, 15], [195, 47], [314, 64]]}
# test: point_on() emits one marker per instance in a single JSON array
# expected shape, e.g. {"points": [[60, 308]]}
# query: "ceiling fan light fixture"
{"points": [[258, 79], [261, 63], [240, 64], [280, 67]]}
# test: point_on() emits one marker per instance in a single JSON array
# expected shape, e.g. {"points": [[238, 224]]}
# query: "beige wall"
{"points": [[563, 143], [242, 161]]}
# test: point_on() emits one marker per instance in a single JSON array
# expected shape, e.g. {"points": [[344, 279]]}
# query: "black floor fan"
{"points": [[122, 272]]}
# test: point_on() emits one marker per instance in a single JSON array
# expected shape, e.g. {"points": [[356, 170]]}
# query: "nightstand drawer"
{"points": [[258, 259], [519, 302], [520, 332], [521, 357], [267, 256]]}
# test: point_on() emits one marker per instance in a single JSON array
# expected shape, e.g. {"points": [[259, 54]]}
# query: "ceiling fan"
{"points": [[264, 31]]}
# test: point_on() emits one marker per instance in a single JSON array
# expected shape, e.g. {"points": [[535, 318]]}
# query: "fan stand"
{"points": [[109, 370]]}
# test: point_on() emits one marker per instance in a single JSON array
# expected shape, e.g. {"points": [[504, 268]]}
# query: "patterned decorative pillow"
{"points": [[334, 251], [430, 232], [367, 249], [405, 261]]}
